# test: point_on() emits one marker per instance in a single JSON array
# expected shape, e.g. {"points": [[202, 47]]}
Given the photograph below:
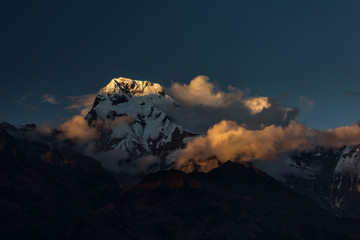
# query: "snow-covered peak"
{"points": [[139, 123], [135, 87]]}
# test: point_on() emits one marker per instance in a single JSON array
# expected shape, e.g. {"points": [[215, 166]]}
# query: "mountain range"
{"points": [[119, 183]]}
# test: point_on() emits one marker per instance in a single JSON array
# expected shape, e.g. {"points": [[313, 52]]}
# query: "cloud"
{"points": [[110, 160], [45, 128], [49, 99], [229, 141], [338, 137], [198, 118], [202, 105], [120, 162], [82, 103], [257, 104], [201, 92], [77, 128]]}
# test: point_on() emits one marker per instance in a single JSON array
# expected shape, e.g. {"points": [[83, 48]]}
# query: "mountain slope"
{"points": [[330, 176], [137, 125], [234, 201], [44, 186]]}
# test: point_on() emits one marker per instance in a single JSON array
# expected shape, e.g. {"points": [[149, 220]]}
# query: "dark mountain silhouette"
{"points": [[42, 187], [234, 201]]}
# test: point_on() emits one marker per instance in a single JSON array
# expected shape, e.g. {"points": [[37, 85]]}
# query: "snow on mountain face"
{"points": [[138, 126], [349, 160], [332, 178]]}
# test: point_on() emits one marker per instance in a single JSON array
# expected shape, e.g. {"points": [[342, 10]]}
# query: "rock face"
{"points": [[137, 125], [234, 201], [44, 186], [331, 177]]}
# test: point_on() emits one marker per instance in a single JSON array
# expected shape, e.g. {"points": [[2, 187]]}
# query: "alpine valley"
{"points": [[121, 184]]}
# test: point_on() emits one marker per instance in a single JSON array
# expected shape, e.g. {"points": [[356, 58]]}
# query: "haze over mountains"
{"points": [[134, 128]]}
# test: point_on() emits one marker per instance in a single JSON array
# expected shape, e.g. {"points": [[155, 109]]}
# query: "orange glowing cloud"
{"points": [[257, 104], [77, 128], [202, 92], [229, 141], [341, 136]]}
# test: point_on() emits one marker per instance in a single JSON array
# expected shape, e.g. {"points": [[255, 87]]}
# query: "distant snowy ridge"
{"points": [[330, 176]]}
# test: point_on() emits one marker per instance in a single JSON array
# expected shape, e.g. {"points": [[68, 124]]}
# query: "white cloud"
{"points": [[49, 99]]}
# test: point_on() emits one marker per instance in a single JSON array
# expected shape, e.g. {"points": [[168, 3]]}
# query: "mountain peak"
{"points": [[148, 133], [135, 87]]}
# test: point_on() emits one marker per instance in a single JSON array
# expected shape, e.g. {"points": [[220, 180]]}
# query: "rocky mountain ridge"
{"points": [[330, 176]]}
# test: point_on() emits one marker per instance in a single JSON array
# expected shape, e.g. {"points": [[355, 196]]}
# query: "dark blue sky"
{"points": [[274, 48]]}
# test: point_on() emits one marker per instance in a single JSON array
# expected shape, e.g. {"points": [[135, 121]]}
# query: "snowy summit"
{"points": [[136, 87], [139, 127]]}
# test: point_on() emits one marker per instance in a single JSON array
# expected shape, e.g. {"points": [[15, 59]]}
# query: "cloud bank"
{"points": [[229, 141]]}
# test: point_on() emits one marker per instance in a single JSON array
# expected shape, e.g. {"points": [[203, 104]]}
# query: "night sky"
{"points": [[303, 53]]}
